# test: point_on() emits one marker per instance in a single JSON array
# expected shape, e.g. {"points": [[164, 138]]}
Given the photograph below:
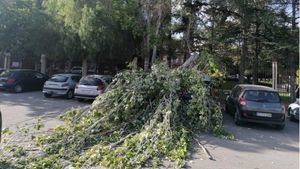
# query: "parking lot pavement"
{"points": [[22, 108], [256, 147]]}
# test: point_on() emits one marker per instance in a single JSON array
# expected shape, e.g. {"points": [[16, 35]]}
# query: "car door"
{"points": [[26, 80], [37, 80], [40, 80]]}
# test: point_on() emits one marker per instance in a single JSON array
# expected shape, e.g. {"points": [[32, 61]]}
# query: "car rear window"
{"points": [[90, 81], [262, 96], [107, 80], [58, 78]]}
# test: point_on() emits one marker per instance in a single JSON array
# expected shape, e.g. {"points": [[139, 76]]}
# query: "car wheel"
{"points": [[237, 120], [18, 88], [70, 94], [47, 95], [280, 126], [80, 99]]}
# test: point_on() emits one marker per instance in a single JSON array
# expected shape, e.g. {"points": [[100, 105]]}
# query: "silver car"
{"points": [[61, 85], [91, 86]]}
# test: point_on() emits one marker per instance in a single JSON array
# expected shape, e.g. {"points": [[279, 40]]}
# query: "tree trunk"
{"points": [[84, 66], [190, 61], [212, 39], [158, 24], [7, 60], [292, 59], [146, 56], [147, 44], [43, 63], [243, 56], [257, 51], [188, 40]]}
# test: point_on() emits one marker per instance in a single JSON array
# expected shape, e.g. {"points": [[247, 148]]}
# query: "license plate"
{"points": [[1, 84], [263, 114]]}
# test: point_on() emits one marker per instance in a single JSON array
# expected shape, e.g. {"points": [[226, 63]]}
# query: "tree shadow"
{"points": [[29, 105]]}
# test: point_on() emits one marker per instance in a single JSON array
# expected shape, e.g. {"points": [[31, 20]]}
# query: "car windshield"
{"points": [[262, 96], [6, 74], [90, 81], [58, 78]]}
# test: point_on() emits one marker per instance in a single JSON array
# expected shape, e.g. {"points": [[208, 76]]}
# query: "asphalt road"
{"points": [[256, 146], [21, 108]]}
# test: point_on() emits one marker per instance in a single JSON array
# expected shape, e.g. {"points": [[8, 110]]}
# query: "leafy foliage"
{"points": [[142, 120]]}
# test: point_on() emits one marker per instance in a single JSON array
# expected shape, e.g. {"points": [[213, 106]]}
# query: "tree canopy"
{"points": [[113, 32]]}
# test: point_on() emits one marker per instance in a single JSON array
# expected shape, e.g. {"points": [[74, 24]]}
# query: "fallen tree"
{"points": [[142, 120]]}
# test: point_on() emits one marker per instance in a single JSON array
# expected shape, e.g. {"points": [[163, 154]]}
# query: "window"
{"points": [[38, 75], [58, 78], [75, 78], [262, 96], [6, 74], [91, 81], [27, 75]]}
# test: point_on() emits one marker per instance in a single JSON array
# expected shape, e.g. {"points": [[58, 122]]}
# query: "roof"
{"points": [[256, 87], [99, 76], [67, 74], [21, 70]]}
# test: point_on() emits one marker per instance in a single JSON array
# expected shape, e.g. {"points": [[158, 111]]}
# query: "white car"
{"points": [[61, 85], [89, 87], [293, 110]]}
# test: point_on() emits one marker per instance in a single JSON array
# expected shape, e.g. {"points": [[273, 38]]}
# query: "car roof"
{"points": [[21, 70], [256, 87], [67, 74], [100, 76]]}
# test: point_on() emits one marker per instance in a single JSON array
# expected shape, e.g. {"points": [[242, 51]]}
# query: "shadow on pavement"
{"points": [[35, 104]]}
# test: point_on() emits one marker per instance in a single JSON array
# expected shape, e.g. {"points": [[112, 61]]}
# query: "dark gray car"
{"points": [[253, 103]]}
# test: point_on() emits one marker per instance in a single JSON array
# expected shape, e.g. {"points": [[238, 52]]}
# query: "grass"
{"points": [[285, 98]]}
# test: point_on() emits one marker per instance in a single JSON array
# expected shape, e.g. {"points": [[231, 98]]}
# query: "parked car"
{"points": [[19, 80], [293, 109], [61, 85], [253, 103], [1, 70], [107, 78], [76, 70], [91, 86]]}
